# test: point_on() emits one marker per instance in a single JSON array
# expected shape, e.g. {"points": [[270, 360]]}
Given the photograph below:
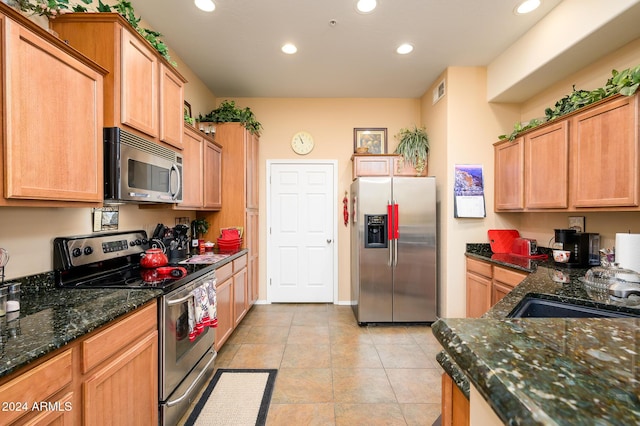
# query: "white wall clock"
{"points": [[302, 143]]}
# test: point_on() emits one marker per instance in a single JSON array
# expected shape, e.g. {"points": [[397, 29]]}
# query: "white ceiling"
{"points": [[235, 50]]}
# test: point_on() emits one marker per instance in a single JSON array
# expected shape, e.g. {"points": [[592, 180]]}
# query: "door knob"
{"points": [[328, 241]]}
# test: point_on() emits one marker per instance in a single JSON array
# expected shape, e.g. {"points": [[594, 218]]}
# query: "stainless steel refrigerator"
{"points": [[393, 249]]}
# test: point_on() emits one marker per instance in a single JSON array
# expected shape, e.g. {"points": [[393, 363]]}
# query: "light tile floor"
{"points": [[333, 372]]}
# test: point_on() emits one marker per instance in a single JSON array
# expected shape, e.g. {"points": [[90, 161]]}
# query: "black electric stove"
{"points": [[112, 260]]}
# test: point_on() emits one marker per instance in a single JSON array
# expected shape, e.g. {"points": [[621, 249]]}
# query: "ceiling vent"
{"points": [[438, 92]]}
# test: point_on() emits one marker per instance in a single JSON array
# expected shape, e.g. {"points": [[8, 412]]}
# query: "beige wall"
{"points": [[463, 128], [331, 122]]}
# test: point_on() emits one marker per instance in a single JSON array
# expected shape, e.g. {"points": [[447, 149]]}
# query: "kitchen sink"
{"points": [[535, 307]]}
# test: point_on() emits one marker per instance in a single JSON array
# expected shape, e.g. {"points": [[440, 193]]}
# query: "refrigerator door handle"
{"points": [[396, 233], [390, 232]]}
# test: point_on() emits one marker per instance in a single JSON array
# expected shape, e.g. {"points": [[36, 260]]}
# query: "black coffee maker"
{"points": [[584, 247]]}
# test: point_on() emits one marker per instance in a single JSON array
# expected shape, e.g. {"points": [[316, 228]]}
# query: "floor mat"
{"points": [[236, 398]]}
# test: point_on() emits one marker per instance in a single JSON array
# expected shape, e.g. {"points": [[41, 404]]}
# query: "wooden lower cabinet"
{"points": [[487, 284], [240, 290], [107, 377], [130, 374], [232, 295], [504, 280], [478, 279], [455, 405]]}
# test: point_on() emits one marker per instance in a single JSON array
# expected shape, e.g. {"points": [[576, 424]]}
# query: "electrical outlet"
{"points": [[577, 223]]}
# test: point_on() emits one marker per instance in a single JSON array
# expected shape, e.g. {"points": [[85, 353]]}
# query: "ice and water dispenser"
{"points": [[375, 231]]}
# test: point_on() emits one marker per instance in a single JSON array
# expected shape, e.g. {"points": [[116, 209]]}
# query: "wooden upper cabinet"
{"points": [[604, 155], [52, 119], [509, 175], [252, 171], [192, 172], [143, 92], [202, 181], [171, 107], [212, 176], [139, 92], [546, 161], [382, 165]]}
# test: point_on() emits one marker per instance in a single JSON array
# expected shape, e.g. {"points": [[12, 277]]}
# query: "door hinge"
{"points": [[270, 281]]}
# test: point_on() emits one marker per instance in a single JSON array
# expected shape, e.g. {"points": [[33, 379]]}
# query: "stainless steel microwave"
{"points": [[139, 171]]}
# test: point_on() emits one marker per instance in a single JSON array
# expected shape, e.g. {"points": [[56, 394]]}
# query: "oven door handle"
{"points": [[193, 384], [173, 302]]}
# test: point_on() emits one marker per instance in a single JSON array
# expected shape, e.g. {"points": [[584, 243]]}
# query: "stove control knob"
{"points": [[137, 242], [76, 252], [132, 243], [88, 250], [144, 241]]}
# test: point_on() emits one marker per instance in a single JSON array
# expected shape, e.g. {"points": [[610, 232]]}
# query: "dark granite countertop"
{"points": [[51, 317], [548, 371]]}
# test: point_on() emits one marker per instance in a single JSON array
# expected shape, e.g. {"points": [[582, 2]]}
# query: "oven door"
{"points": [[178, 354]]}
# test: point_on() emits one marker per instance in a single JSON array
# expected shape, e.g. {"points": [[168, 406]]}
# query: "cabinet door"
{"points": [[125, 390], [546, 159], [252, 171], [240, 293], [372, 165], [224, 299], [499, 291], [52, 121], [604, 155], [61, 417], [252, 244], [478, 295], [504, 280], [171, 107], [509, 175], [212, 176], [192, 192], [139, 87]]}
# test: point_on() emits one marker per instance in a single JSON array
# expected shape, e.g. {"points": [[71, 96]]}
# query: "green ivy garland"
{"points": [[53, 8], [625, 82]]}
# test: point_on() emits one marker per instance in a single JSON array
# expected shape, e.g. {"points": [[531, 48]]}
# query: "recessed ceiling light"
{"points": [[206, 5], [405, 48], [527, 6], [289, 49], [366, 6]]}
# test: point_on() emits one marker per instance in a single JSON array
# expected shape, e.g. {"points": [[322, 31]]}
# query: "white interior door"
{"points": [[301, 232]]}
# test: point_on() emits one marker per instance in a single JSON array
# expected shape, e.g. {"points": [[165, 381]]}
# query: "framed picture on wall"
{"points": [[375, 139], [187, 110]]}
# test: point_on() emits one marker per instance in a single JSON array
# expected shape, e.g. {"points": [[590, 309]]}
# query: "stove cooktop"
{"points": [[112, 260]]}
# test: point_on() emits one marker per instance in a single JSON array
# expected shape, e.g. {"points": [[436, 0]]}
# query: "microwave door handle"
{"points": [[175, 169]]}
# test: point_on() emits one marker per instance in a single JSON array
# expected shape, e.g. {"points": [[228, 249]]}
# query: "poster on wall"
{"points": [[468, 191]]}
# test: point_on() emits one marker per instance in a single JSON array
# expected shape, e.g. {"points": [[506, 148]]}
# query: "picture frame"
{"points": [[373, 138], [187, 109]]}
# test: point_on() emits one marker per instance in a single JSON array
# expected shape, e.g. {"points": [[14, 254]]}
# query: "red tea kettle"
{"points": [[153, 258]]}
